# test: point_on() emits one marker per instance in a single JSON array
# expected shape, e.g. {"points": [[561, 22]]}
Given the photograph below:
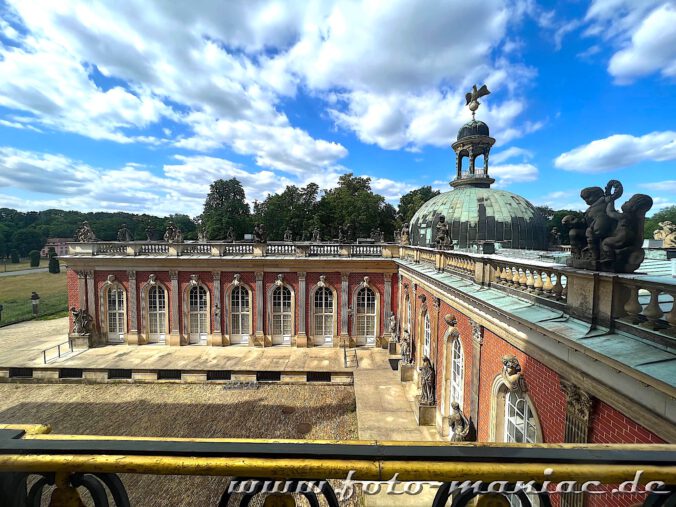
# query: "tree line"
{"points": [[351, 205]]}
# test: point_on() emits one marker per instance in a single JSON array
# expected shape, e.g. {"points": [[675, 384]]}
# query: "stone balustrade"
{"points": [[650, 303], [534, 278]]}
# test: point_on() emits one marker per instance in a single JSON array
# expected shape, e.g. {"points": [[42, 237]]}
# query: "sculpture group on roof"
{"points": [[84, 233], [606, 239], [173, 234]]}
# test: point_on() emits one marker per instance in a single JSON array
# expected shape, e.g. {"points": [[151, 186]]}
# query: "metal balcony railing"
{"points": [[35, 464]]}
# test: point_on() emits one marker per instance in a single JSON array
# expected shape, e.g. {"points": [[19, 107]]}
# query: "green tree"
{"points": [[412, 201], [664, 215], [555, 221], [295, 208], [34, 256], [25, 240], [351, 203], [546, 211], [226, 207], [14, 254]]}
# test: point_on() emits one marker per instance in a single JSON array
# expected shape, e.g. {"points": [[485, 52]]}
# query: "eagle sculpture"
{"points": [[474, 96]]}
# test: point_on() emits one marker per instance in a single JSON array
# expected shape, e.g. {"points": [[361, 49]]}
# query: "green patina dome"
{"points": [[476, 214], [473, 128]]}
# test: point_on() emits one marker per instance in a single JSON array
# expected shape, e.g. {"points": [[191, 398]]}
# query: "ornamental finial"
{"points": [[473, 98]]}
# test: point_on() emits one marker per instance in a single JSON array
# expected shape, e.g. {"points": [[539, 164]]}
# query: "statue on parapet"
{"points": [[84, 233], [151, 234], [259, 234], [405, 235], [667, 234], [458, 424], [288, 236], [173, 234], [427, 383], [316, 235], [82, 321], [230, 235], [443, 236], [123, 234], [613, 240], [554, 237]]}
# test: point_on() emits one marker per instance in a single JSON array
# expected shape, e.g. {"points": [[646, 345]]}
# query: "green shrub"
{"points": [[14, 254], [54, 266], [34, 257]]}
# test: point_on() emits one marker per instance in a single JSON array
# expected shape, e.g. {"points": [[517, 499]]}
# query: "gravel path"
{"points": [[182, 410]]}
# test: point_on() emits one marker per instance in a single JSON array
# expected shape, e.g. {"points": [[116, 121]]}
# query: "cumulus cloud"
{"points": [[641, 32], [617, 151]]}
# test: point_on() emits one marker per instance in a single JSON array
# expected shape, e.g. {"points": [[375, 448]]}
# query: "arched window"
{"points": [[520, 425], [427, 345], [115, 309], [157, 314], [198, 315], [282, 318], [366, 317], [457, 372], [323, 313], [240, 316]]}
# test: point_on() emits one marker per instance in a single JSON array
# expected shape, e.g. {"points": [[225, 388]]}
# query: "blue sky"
{"points": [[139, 105]]}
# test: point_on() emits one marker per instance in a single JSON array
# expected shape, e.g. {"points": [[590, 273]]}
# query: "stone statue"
{"points": [[173, 234], [458, 424], [375, 234], [397, 237], [150, 233], [443, 238], [613, 240], [392, 328], [405, 238], [382, 237], [217, 312], [123, 234], [202, 235], [230, 235], [406, 348], [667, 233], [341, 234], [554, 237], [316, 237], [577, 227], [82, 321], [511, 373], [288, 236], [263, 233], [473, 98], [259, 233], [623, 251], [427, 383], [84, 233]]}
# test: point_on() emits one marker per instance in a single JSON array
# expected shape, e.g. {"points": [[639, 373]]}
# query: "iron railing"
{"points": [[68, 345], [34, 463]]}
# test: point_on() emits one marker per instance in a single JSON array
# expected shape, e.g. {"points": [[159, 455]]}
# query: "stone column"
{"points": [[472, 159], [216, 335], [132, 306], [91, 308], [576, 430], [175, 334], [301, 338], [259, 339], [477, 342], [344, 299], [387, 307]]}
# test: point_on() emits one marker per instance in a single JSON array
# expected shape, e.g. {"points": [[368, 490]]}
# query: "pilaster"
{"points": [[132, 304], [91, 306], [301, 337], [259, 338], [175, 334], [477, 342], [217, 334], [344, 298]]}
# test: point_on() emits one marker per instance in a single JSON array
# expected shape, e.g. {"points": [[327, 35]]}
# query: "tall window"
{"points": [[366, 315], [457, 372], [324, 313], [198, 314], [157, 313], [239, 314], [116, 314], [281, 313], [428, 336], [519, 420]]}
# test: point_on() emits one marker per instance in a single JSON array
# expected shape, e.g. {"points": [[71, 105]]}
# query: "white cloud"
{"points": [[510, 153], [513, 173], [642, 33], [668, 186], [621, 150]]}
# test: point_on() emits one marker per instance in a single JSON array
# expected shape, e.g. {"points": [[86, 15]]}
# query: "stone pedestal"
{"points": [[79, 341], [426, 414], [393, 348], [406, 372], [301, 341]]}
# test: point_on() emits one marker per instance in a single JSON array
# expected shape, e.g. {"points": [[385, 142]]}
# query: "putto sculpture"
{"points": [[84, 233], [458, 424], [173, 234], [613, 239], [259, 234], [511, 373], [667, 233], [427, 383], [443, 237], [82, 321], [123, 234]]}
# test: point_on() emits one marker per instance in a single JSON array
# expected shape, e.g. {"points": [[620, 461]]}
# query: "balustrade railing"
{"points": [[196, 248], [152, 248], [36, 465], [280, 249], [533, 278], [459, 262], [237, 249], [650, 303], [111, 248], [428, 255], [324, 250], [366, 250]]}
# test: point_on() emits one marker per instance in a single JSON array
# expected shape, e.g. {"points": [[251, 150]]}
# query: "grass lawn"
{"points": [[15, 295], [24, 264], [183, 410]]}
